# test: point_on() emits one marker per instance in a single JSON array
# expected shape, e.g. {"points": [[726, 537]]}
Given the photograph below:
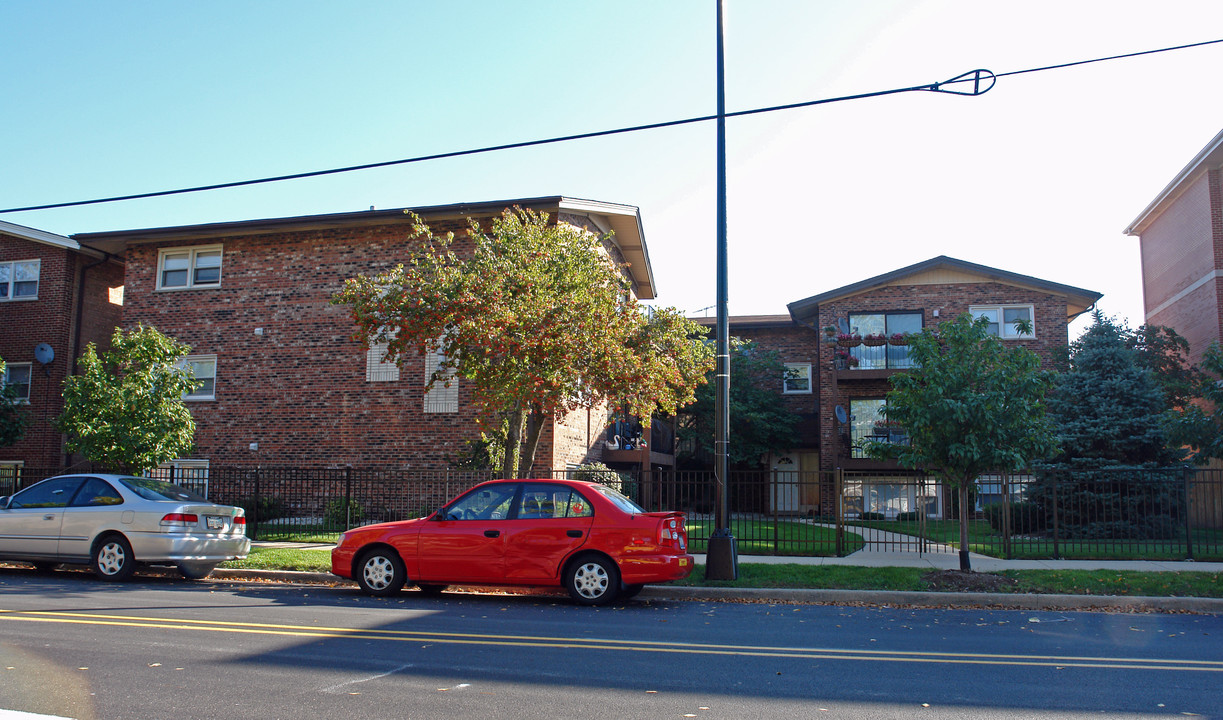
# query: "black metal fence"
{"points": [[1174, 513]]}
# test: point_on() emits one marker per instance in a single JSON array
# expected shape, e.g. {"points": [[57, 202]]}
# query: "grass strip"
{"points": [[849, 577]]}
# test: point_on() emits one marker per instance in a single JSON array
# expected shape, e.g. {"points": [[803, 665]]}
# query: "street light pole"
{"points": [[721, 562]]}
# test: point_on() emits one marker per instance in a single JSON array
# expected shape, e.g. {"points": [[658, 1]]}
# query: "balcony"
{"points": [[865, 362]]}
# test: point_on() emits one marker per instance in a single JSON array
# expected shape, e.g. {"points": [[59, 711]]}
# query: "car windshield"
{"points": [[619, 500], [160, 491]]}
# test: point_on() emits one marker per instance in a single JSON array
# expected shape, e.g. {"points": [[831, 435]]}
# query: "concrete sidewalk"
{"points": [[940, 559]]}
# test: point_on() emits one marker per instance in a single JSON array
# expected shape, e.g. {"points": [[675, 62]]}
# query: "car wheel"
{"points": [[112, 558], [628, 592], [381, 572], [592, 580], [195, 571], [430, 588]]}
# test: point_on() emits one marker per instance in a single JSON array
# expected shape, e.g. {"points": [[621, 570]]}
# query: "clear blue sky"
{"points": [[1038, 176]]}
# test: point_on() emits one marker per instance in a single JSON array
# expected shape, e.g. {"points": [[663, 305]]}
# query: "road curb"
{"points": [[1015, 601]]}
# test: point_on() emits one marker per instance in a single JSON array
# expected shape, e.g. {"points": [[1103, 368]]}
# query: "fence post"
{"points": [[776, 496], [1188, 519], [1057, 487], [255, 507], [347, 497], [838, 510], [1006, 515]]}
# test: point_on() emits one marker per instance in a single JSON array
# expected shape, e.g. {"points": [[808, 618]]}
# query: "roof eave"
{"points": [[1212, 154]]}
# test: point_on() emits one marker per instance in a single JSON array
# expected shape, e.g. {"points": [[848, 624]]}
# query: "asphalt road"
{"points": [[72, 646]]}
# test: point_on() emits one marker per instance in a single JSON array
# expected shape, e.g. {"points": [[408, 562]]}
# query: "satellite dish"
{"points": [[43, 353], [840, 413]]}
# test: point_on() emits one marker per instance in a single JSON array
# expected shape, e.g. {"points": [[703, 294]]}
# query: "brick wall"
{"points": [[51, 319], [290, 377], [1180, 248]]}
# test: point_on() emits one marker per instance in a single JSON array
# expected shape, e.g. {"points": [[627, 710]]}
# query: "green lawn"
{"points": [[765, 537]]}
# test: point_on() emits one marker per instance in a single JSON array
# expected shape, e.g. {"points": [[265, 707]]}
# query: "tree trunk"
{"points": [[535, 426], [515, 417], [962, 490]]}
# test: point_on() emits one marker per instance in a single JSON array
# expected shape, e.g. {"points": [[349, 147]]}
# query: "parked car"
{"points": [[116, 522], [587, 538]]}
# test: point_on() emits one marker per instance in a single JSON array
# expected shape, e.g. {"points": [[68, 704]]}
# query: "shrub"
{"points": [[872, 516], [343, 512], [910, 516], [267, 508], [1026, 517]]}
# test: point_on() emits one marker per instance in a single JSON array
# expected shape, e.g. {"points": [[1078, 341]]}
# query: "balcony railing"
{"points": [[859, 437], [874, 357]]}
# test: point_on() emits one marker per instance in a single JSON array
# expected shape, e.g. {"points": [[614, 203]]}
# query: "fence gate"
{"points": [[889, 513]]}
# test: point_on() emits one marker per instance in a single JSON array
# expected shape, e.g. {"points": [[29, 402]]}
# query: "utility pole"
{"points": [[721, 562]]}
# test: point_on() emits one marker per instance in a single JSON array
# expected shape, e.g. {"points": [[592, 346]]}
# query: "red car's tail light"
{"points": [[180, 520], [671, 533]]}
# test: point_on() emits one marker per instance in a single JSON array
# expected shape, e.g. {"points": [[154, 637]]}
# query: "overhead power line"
{"points": [[981, 81]]}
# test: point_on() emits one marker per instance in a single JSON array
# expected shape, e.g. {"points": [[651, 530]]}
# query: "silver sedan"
{"points": [[116, 522]]}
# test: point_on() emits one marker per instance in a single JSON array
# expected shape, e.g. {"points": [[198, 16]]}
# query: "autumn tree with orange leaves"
{"points": [[538, 319]]}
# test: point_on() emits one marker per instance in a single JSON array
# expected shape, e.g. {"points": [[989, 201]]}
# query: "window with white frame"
{"points": [[797, 380], [186, 268], [377, 367], [204, 369], [1006, 321], [17, 380], [443, 397], [19, 279]]}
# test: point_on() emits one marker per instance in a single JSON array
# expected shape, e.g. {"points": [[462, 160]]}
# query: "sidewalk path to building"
{"points": [[942, 560]]}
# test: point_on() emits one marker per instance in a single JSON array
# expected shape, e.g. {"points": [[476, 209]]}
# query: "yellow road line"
{"points": [[324, 632]]}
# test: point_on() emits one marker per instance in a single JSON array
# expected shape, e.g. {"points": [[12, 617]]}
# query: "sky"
{"points": [[1039, 176]]}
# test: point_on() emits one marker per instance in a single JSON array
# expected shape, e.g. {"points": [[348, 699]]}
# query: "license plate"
{"points": [[215, 522]]}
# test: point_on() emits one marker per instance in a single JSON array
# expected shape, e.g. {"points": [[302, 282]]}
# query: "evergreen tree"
{"points": [[1111, 414]]}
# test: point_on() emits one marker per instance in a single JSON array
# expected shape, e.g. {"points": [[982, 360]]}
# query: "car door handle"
{"points": [[492, 533], [48, 517], [574, 533]]}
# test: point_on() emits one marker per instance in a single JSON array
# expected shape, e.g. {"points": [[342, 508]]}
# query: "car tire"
{"points": [[592, 580], [430, 588], [195, 571], [112, 559], [628, 592], [380, 572]]}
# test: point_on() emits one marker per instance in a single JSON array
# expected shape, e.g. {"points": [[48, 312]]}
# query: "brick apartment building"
{"points": [[57, 295], [1180, 238], [838, 390], [285, 382]]}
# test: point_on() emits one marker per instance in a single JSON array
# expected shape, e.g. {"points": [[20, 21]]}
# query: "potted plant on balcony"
{"points": [[875, 340], [899, 339], [844, 360], [849, 339]]}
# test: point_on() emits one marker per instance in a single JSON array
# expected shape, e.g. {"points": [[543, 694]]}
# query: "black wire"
{"points": [[935, 87]]}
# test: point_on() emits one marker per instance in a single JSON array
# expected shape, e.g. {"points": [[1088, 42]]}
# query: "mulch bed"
{"points": [[960, 581]]}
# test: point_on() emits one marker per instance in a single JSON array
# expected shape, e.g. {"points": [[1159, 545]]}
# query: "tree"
{"points": [[537, 318], [971, 406], [1200, 426], [1164, 353], [125, 409], [761, 423], [1112, 415], [13, 417]]}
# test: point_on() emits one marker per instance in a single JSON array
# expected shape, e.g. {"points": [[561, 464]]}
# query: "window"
{"points": [[204, 369], [797, 380], [17, 380], [868, 423], [19, 280], [886, 325], [49, 494], [1005, 320], [491, 502], [549, 501], [96, 492], [184, 268], [377, 367], [443, 397]]}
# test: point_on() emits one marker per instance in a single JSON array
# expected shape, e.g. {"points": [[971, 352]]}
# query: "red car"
{"points": [[587, 538]]}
